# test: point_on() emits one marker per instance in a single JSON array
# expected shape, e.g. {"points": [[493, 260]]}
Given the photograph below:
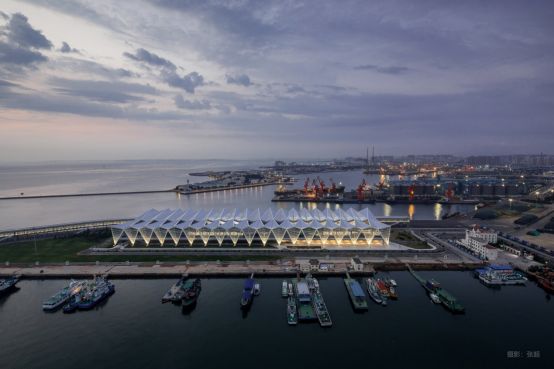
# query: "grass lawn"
{"points": [[407, 239], [66, 249]]}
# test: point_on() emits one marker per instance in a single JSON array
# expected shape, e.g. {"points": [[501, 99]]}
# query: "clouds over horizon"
{"points": [[431, 76]]}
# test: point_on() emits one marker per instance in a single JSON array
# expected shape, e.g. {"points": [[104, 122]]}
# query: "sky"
{"points": [[247, 79]]}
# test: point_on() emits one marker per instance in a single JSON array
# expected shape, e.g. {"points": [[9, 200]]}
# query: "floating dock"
{"points": [[356, 293]]}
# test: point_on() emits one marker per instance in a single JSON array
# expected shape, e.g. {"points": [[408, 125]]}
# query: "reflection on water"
{"points": [[437, 211], [411, 211], [387, 210]]}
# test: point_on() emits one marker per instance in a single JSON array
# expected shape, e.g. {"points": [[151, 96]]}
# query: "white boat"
{"points": [[284, 289], [393, 282], [291, 291], [257, 289], [435, 298], [316, 284]]}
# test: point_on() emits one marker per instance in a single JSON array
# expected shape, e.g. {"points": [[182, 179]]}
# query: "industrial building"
{"points": [[280, 228]]}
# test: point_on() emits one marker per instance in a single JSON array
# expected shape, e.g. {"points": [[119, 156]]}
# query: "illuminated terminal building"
{"points": [[280, 228]]}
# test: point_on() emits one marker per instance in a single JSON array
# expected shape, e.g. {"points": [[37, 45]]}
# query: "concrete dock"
{"points": [[285, 267]]}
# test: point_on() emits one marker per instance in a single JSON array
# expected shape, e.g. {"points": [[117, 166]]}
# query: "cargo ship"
{"points": [[8, 284], [433, 288], [191, 292], [356, 293]]}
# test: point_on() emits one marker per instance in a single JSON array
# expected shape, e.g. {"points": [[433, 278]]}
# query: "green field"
{"points": [[405, 238], [67, 249]]}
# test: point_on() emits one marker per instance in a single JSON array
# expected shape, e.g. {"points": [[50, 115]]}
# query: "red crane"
{"points": [[321, 186], [360, 191], [411, 192], [306, 184], [450, 192], [333, 188]]}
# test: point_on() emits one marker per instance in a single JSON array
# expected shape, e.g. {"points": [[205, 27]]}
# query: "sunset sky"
{"points": [[259, 79]]}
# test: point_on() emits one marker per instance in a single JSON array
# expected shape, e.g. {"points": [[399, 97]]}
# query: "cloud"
{"points": [[188, 83], [385, 70], [103, 91], [145, 56], [20, 32], [16, 55], [67, 49], [181, 103], [241, 79]]}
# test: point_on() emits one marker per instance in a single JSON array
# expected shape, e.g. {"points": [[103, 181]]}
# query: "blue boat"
{"points": [[97, 292], [247, 292]]}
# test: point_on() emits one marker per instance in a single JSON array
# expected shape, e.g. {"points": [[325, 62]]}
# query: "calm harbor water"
{"points": [[87, 177], [133, 329]]}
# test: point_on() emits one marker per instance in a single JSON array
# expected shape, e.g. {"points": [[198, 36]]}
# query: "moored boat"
{"points": [[356, 293], [292, 313], [257, 289], [433, 287], [60, 298], [305, 307], [284, 289], [191, 291], [374, 292], [175, 292], [94, 293], [8, 284], [246, 298]]}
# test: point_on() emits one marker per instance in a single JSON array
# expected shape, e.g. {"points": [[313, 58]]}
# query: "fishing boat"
{"points": [[292, 313], [374, 292], [71, 306], [175, 292], [318, 303], [490, 278], [191, 292], [392, 290], [383, 288], [246, 298], [284, 289], [356, 293], [95, 292], [60, 298], [257, 289], [8, 284]]}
